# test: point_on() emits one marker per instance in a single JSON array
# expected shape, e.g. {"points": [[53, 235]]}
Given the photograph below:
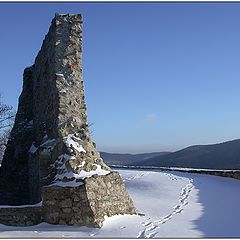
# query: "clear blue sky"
{"points": [[158, 76]]}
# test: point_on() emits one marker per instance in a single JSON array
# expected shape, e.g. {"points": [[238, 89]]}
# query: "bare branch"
{"points": [[6, 122], [3, 119]]}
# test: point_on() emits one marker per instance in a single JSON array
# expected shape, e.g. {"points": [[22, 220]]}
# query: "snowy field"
{"points": [[181, 205]]}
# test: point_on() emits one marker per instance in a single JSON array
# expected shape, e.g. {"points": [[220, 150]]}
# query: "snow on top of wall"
{"points": [[99, 171], [65, 157], [30, 122], [66, 184], [83, 163], [64, 90], [48, 142], [83, 174], [22, 206], [45, 143], [72, 143], [32, 149], [59, 74], [75, 138], [45, 138], [57, 42], [62, 159]]}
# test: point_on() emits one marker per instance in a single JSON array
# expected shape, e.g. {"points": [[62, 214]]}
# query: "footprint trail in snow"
{"points": [[139, 175], [151, 227]]}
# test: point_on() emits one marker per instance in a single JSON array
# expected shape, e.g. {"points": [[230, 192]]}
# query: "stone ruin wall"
{"points": [[50, 142], [52, 103], [37, 114], [22, 217], [85, 204], [14, 179]]}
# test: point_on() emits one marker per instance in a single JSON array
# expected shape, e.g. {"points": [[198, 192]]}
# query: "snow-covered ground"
{"points": [[175, 205]]}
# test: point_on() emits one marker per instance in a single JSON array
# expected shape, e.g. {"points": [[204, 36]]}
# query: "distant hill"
{"points": [[128, 159], [215, 156]]}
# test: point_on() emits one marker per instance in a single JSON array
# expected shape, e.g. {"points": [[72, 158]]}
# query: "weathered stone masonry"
{"points": [[50, 156]]}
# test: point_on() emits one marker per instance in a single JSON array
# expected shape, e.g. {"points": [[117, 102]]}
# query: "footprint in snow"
{"points": [[146, 223], [150, 226], [167, 216], [176, 207], [164, 219], [183, 191], [178, 211], [151, 235], [141, 234], [182, 200]]}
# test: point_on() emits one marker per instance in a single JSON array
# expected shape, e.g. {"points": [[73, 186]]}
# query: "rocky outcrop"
{"points": [[50, 149]]}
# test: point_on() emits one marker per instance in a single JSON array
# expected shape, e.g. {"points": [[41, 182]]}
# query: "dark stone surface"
{"points": [[14, 170], [26, 216]]}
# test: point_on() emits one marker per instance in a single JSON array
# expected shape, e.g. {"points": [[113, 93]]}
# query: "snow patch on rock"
{"points": [[66, 184], [59, 74], [64, 90], [62, 159], [83, 174], [22, 206], [70, 141], [32, 149]]}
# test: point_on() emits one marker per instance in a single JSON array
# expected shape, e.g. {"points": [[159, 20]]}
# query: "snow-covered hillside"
{"points": [[175, 205]]}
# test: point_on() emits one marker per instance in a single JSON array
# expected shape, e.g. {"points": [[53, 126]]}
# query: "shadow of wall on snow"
{"points": [[219, 197]]}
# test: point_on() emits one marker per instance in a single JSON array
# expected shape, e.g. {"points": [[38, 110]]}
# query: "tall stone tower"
{"points": [[50, 156]]}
